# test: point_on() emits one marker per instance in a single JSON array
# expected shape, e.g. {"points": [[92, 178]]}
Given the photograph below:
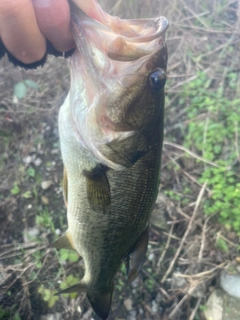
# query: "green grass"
{"points": [[213, 132]]}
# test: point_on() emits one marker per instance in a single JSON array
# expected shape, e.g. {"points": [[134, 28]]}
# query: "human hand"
{"points": [[26, 24], [29, 29]]}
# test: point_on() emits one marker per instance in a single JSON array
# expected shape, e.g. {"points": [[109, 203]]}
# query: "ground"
{"points": [[187, 248]]}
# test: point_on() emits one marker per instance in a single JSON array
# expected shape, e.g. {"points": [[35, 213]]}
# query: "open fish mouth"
{"points": [[111, 58], [121, 39]]}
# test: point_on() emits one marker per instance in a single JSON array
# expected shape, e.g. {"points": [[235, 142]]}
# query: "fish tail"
{"points": [[101, 301]]}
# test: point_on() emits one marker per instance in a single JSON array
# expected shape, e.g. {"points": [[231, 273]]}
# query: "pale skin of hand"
{"points": [[26, 24]]}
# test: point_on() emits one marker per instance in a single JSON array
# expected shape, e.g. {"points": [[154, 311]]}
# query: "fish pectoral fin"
{"points": [[64, 242], [98, 187], [137, 256], [101, 302], [79, 287], [65, 186]]}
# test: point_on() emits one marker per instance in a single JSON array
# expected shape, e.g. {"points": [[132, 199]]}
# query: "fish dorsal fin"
{"points": [[101, 302], [98, 188], [64, 242], [137, 256], [65, 186]]}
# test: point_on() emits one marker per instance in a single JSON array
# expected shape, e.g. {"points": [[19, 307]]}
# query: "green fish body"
{"points": [[111, 133]]}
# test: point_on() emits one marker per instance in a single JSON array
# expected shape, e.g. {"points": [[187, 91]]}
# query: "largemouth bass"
{"points": [[111, 133]]}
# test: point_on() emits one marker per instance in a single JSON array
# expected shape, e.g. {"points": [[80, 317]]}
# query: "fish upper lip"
{"points": [[162, 24], [130, 34]]}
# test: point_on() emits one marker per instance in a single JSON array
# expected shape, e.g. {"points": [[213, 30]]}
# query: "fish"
{"points": [[111, 135]]}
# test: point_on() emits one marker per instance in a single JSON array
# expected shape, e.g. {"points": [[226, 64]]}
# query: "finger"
{"points": [[19, 31], [53, 17]]}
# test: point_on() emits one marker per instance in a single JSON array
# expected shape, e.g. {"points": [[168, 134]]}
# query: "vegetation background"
{"points": [[196, 221]]}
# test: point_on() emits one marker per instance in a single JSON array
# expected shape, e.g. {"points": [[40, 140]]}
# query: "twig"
{"points": [[172, 235], [195, 309], [20, 275], [191, 288], [184, 172], [218, 235], [203, 274], [165, 249], [203, 239], [196, 16], [230, 32], [190, 224], [147, 308], [19, 247], [180, 211], [168, 143]]}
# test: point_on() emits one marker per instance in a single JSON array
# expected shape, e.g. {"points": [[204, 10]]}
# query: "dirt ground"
{"points": [[183, 260]]}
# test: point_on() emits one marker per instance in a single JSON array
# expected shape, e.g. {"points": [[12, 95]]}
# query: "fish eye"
{"points": [[157, 79]]}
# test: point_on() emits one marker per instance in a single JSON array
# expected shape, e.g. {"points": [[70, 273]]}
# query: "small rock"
{"points": [[232, 236], [140, 310], [132, 315], [154, 307], [46, 184], [55, 151], [158, 219], [136, 283], [159, 297], [221, 306], [44, 200], [214, 306], [87, 315], [52, 316], [178, 281], [30, 233], [58, 190], [27, 159], [151, 256], [128, 304], [230, 283], [37, 162], [58, 232]]}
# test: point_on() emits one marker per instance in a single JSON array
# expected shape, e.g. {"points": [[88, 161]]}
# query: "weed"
{"points": [[70, 281], [48, 295], [213, 134], [9, 314], [222, 244], [172, 195], [15, 189], [31, 172], [65, 254], [44, 219], [20, 88]]}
